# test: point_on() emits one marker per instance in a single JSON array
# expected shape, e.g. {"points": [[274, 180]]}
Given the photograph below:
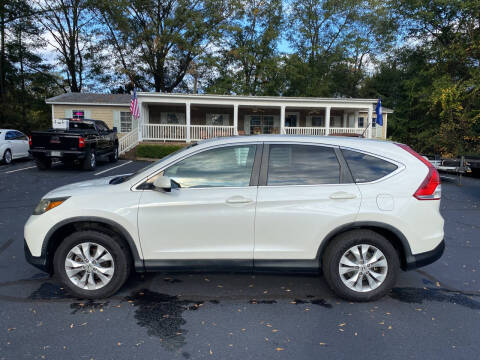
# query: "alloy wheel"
{"points": [[363, 268], [89, 266]]}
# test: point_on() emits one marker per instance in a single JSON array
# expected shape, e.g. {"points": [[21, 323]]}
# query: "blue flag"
{"points": [[378, 110]]}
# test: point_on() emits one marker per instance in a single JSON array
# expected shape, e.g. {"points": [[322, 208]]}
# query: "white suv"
{"points": [[357, 209]]}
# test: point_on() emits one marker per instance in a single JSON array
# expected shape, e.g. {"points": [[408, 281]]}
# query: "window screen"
{"points": [[221, 167], [366, 168], [302, 165]]}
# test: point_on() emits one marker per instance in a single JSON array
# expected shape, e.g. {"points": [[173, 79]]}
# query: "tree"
{"points": [[69, 24], [248, 62], [155, 42], [333, 41]]}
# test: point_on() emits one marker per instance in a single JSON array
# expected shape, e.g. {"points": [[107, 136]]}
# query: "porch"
{"points": [[177, 117]]}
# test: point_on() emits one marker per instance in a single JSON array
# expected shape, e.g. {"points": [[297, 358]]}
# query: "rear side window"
{"points": [[366, 168], [302, 165]]}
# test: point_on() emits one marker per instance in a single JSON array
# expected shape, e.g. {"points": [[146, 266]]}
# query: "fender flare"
{"points": [[405, 246], [137, 261]]}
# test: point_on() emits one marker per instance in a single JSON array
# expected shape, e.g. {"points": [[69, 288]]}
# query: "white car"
{"points": [[360, 210], [13, 145]]}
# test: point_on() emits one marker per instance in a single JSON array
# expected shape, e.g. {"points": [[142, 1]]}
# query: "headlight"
{"points": [[48, 204]]}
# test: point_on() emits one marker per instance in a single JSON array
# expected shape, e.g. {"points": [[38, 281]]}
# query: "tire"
{"points": [[7, 157], [43, 164], [120, 263], [340, 246], [90, 161], [114, 157]]}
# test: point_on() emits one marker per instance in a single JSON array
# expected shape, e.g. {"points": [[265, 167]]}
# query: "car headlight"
{"points": [[48, 204]]}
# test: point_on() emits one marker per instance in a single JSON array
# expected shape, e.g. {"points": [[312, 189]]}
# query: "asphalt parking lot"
{"points": [[432, 313]]}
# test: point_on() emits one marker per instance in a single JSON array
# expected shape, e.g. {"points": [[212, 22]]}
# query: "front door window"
{"points": [[229, 166]]}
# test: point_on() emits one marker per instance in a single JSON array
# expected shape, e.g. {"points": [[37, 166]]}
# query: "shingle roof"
{"points": [[84, 98]]}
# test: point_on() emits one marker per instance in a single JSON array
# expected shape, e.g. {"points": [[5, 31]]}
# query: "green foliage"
{"points": [[156, 151]]}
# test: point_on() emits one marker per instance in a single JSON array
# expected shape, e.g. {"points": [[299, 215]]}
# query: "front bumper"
{"points": [[426, 258], [39, 262]]}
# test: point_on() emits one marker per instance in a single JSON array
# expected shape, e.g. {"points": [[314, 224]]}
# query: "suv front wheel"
{"points": [[360, 265], [91, 264]]}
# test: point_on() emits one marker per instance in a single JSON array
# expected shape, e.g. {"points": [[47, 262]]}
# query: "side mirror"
{"points": [[162, 183], [114, 129]]}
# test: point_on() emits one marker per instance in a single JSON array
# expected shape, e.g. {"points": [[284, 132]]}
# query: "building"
{"points": [[189, 117]]}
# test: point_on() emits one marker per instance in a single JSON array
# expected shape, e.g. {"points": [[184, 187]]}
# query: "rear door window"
{"points": [[302, 165], [366, 168]]}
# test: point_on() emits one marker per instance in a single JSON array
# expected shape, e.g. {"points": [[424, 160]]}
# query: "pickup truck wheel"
{"points": [[114, 156], [91, 264], [7, 157], [360, 265], [43, 164], [90, 161]]}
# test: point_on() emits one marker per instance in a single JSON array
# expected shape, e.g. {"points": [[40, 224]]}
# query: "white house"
{"points": [[192, 117]]}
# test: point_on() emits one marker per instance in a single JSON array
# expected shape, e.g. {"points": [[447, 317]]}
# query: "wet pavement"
{"points": [[432, 313]]}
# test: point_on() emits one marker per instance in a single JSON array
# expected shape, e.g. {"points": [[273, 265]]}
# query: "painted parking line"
{"points": [[12, 171], [112, 168]]}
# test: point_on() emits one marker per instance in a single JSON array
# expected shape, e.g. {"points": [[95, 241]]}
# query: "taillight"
{"points": [[30, 140], [81, 142], [430, 188]]}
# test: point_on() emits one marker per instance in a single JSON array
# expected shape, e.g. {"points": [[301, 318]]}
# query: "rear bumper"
{"points": [[426, 258], [39, 262], [63, 153]]}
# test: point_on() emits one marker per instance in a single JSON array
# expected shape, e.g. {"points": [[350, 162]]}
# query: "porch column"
{"points": [[235, 119], [355, 119], [187, 118], [282, 119], [345, 119], [141, 120], [369, 131], [327, 120]]}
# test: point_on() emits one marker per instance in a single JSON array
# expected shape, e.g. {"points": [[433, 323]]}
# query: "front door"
{"points": [[304, 194], [211, 216]]}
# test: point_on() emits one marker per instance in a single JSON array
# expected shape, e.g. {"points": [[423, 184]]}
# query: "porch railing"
{"points": [[341, 130], [305, 130], [200, 132], [164, 132], [128, 141]]}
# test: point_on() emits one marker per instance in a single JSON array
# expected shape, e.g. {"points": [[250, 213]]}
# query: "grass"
{"points": [[156, 151]]}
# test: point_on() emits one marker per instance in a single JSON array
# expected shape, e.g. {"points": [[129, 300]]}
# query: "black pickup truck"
{"points": [[83, 141]]}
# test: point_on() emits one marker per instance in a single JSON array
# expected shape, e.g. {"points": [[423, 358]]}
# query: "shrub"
{"points": [[156, 151]]}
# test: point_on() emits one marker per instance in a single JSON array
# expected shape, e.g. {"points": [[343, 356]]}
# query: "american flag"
{"points": [[134, 109]]}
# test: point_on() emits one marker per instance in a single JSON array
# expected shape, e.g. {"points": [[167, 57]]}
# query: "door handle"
{"points": [[341, 195], [238, 200]]}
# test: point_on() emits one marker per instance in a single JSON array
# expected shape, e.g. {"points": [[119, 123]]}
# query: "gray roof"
{"points": [[124, 99], [84, 98]]}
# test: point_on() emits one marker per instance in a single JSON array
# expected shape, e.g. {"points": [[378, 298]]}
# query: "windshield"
{"points": [[121, 179]]}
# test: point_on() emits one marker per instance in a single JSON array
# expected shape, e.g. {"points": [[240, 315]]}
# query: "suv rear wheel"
{"points": [[360, 265], [91, 264]]}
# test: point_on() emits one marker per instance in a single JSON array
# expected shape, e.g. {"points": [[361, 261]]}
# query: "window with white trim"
{"points": [[361, 122], [125, 121], [78, 114], [217, 119]]}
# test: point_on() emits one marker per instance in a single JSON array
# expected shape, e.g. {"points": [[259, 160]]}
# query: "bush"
{"points": [[156, 151]]}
